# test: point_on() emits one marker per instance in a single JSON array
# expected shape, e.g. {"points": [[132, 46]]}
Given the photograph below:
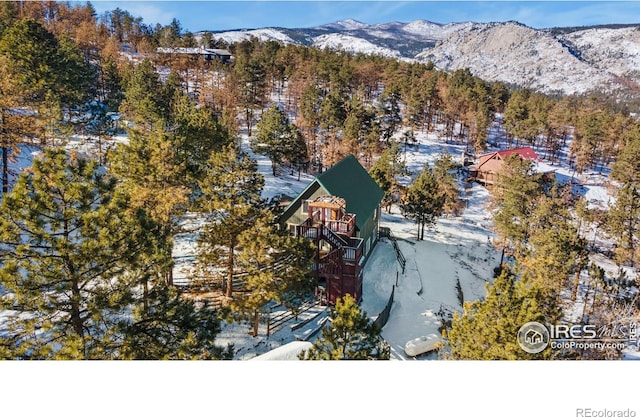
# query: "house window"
{"points": [[305, 206]]}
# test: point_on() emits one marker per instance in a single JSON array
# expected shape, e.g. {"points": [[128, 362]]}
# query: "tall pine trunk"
{"points": [[145, 296], [76, 319], [248, 117], [229, 289], [5, 170], [76, 296], [256, 319], [576, 280]]}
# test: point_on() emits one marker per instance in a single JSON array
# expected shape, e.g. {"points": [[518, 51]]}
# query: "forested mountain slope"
{"points": [[572, 60]]}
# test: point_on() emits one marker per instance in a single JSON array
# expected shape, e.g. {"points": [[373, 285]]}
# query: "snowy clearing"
{"points": [[453, 264], [456, 250]]}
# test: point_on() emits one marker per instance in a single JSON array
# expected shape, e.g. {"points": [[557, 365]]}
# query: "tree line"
{"points": [[341, 103]]}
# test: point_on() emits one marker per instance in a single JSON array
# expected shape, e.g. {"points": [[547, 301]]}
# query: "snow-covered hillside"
{"points": [[430, 30], [515, 54], [568, 61], [352, 44], [262, 34], [616, 51], [346, 24]]}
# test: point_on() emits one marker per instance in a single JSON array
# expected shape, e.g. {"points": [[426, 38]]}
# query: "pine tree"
{"points": [[149, 167], [232, 201], [278, 139], [195, 133], [487, 329], [389, 116], [14, 126], [499, 94], [8, 15], [416, 104], [623, 223], [434, 102], [626, 168], [38, 63], [144, 102], [156, 181], [555, 250], [296, 152], [356, 124], [586, 145], [622, 218], [71, 243], [479, 116], [276, 267], [83, 272], [516, 191], [350, 335], [75, 78], [293, 275], [424, 201], [332, 117], [443, 169], [516, 114], [252, 86], [110, 83], [385, 172], [168, 326], [37, 72], [309, 117]]}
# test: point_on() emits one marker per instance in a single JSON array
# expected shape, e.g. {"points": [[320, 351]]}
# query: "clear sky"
{"points": [[224, 15]]}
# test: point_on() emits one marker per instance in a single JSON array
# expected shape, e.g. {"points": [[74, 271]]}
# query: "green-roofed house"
{"points": [[340, 212]]}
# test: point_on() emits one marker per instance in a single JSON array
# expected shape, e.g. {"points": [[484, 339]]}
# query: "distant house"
{"points": [[208, 54], [486, 170], [340, 212]]}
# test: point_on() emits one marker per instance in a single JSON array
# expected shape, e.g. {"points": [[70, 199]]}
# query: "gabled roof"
{"points": [[349, 180], [525, 153]]}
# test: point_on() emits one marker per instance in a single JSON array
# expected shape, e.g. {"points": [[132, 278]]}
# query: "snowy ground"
{"points": [[457, 249]]}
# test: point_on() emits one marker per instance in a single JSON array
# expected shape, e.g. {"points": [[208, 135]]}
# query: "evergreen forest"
{"points": [[86, 268]]}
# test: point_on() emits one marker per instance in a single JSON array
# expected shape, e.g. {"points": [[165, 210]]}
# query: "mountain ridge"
{"points": [[552, 60]]}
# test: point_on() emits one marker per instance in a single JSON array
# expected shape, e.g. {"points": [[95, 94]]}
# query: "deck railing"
{"points": [[352, 247], [345, 225], [353, 253]]}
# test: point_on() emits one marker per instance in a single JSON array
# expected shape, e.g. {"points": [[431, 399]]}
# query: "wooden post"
{"points": [[256, 317]]}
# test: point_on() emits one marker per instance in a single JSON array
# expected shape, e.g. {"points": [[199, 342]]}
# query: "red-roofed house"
{"points": [[485, 172]]}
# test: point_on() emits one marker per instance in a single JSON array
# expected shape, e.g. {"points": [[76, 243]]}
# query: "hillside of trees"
{"points": [[85, 240]]}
